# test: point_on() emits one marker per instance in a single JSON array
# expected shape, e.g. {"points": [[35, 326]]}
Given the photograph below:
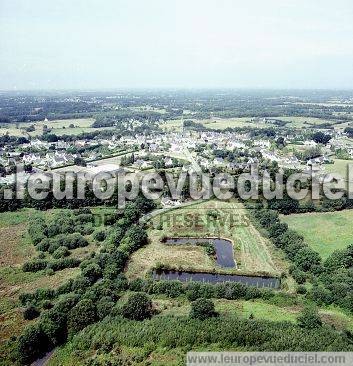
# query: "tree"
{"points": [[50, 137], [79, 161], [137, 307], [202, 309], [32, 344], [321, 138], [306, 258], [309, 318], [92, 272], [81, 315], [104, 306], [30, 313], [349, 131]]}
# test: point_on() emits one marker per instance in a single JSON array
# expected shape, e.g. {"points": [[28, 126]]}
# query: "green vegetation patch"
{"points": [[324, 232]]}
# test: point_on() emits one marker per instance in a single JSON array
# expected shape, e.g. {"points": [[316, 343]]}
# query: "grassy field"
{"points": [[324, 232], [59, 127], [304, 122], [223, 123], [253, 253], [339, 166]]}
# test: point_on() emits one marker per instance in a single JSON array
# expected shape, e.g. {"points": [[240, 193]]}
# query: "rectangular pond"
{"points": [[184, 276]]}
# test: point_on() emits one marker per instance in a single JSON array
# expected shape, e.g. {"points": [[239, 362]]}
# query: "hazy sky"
{"points": [[82, 44]]}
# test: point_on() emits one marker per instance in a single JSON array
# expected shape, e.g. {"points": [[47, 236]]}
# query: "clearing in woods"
{"points": [[253, 253], [324, 231]]}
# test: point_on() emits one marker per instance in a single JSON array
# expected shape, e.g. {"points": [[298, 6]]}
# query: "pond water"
{"points": [[223, 248], [184, 276]]}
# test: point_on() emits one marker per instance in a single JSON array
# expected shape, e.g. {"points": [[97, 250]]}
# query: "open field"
{"points": [[339, 166], [223, 123], [324, 232], [304, 122], [59, 127], [15, 245], [253, 253]]}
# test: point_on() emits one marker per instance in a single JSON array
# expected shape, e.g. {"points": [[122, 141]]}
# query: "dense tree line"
{"points": [[332, 279]]}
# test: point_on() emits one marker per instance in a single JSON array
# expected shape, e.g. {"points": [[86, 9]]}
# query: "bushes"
{"points": [[100, 235], [81, 315], [70, 241], [104, 307], [60, 264], [298, 275], [80, 284], [32, 344], [93, 297], [61, 252], [56, 265], [92, 272], [35, 265], [306, 258], [135, 238], [202, 309], [37, 230], [30, 313], [36, 297], [83, 219], [170, 288], [84, 229], [137, 307], [309, 319]]}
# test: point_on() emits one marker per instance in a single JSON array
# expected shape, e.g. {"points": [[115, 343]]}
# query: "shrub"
{"points": [[202, 309], [100, 235], [137, 284], [41, 255], [35, 265], [84, 229], [104, 307], [92, 272], [83, 219], [306, 258], [63, 263], [32, 344], [80, 284], [81, 315], [47, 304], [301, 290], [137, 307], [309, 319], [299, 276], [53, 230], [44, 245], [61, 252], [170, 288], [30, 313]]}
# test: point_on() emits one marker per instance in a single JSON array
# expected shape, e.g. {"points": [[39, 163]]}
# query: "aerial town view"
{"points": [[168, 194]]}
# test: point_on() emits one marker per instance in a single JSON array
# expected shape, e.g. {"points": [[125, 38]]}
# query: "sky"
{"points": [[115, 44]]}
